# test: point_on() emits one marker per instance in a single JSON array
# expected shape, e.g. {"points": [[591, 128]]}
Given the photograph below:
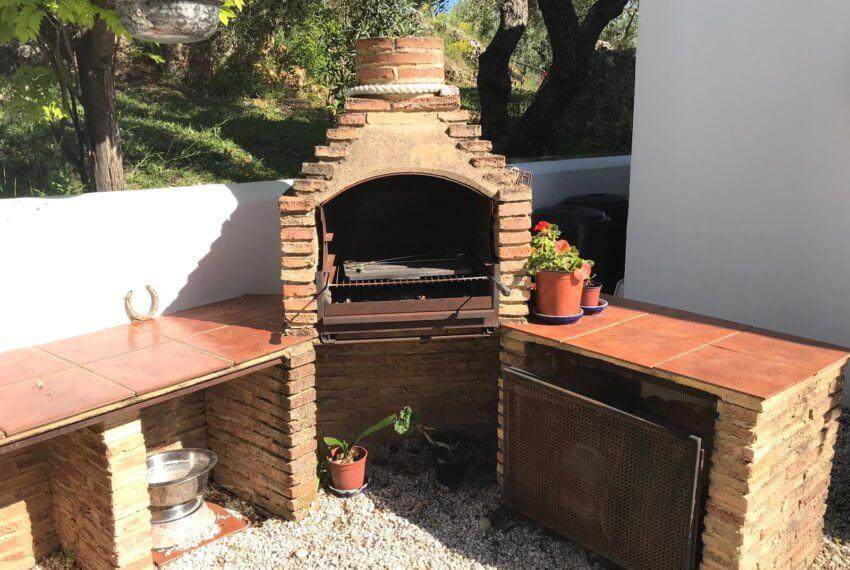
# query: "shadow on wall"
{"points": [[73, 259], [245, 258]]}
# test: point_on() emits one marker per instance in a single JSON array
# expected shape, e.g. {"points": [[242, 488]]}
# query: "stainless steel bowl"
{"points": [[161, 515], [180, 476]]}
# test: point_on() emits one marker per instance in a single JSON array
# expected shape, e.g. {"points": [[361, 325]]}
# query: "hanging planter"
{"points": [[169, 21]]}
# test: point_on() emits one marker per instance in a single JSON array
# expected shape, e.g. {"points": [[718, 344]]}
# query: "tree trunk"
{"points": [[200, 67], [572, 46], [494, 77], [175, 62], [95, 52]]}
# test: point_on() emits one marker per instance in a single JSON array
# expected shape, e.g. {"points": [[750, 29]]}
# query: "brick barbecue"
{"points": [[405, 184], [403, 252], [406, 224]]}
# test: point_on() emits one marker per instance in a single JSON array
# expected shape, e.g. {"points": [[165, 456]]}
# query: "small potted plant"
{"points": [[347, 462], [559, 273], [590, 292], [451, 458]]}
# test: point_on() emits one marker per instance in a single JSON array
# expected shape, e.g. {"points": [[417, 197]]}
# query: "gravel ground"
{"points": [[405, 521]]}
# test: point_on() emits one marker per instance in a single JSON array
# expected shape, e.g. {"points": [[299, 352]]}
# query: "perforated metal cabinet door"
{"points": [[613, 482]]}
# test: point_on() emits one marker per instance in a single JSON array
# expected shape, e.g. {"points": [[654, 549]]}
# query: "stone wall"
{"points": [[175, 424], [451, 382], [27, 531], [263, 429]]}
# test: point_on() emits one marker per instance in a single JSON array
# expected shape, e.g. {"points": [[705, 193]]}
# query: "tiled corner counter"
{"points": [[778, 403], [79, 416]]}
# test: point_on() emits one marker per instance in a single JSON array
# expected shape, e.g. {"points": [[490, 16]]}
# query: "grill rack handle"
{"points": [[503, 289]]}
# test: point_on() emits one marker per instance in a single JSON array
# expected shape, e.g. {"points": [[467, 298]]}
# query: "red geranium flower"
{"points": [[562, 246], [542, 227], [582, 272]]}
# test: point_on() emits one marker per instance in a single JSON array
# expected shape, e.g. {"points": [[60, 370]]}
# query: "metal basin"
{"points": [[178, 477]]}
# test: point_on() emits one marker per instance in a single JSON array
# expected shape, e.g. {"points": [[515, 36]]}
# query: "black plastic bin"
{"points": [[596, 224]]}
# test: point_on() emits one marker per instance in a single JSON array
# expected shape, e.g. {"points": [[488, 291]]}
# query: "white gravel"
{"points": [[405, 521]]}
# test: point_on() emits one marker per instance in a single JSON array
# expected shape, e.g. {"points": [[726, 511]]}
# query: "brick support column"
{"points": [[300, 256], [26, 519], [769, 478], [513, 223], [512, 354], [101, 496], [263, 428]]}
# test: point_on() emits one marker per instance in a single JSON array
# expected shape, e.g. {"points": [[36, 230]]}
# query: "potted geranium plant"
{"points": [[347, 461], [590, 292], [558, 270]]}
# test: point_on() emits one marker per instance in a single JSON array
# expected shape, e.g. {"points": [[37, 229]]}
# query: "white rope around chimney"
{"points": [[403, 89]]}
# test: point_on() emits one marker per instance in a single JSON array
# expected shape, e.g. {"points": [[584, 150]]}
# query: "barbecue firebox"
{"points": [[406, 225], [396, 261]]}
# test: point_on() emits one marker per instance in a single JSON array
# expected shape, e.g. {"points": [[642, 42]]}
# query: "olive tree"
{"points": [[77, 39]]}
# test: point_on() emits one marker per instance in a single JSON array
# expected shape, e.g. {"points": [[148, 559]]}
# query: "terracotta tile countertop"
{"points": [[109, 369], [721, 357]]}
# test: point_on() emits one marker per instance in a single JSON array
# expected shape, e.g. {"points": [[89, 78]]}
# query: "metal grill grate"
{"points": [[620, 485], [419, 281]]}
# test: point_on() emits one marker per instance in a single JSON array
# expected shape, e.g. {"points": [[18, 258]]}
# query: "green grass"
{"points": [[172, 138]]}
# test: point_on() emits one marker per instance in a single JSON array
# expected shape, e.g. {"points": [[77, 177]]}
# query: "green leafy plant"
{"points": [[403, 422], [550, 253]]}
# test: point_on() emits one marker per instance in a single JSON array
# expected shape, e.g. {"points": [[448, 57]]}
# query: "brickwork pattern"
{"points": [[175, 424], [27, 531], [101, 497], [263, 428], [442, 128], [399, 60], [452, 383], [769, 478]]}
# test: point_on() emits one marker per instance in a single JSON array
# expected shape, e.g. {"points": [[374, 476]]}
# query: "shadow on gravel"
{"points": [[837, 518], [471, 520]]}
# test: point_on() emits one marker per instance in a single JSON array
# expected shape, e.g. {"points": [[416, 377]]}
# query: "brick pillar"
{"points": [[299, 246], [263, 428], [101, 496], [512, 354], [514, 246], [26, 519], [769, 478]]}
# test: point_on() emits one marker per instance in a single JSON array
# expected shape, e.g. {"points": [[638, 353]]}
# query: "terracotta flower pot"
{"points": [[348, 476], [558, 293], [590, 295]]}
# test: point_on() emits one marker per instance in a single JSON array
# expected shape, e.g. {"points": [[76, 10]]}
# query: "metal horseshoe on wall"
{"points": [[136, 317]]}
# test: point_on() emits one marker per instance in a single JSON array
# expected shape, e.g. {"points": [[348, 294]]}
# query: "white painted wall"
{"points": [[555, 180], [740, 182], [68, 262]]}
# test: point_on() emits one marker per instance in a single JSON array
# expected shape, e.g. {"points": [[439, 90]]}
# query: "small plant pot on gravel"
{"points": [[347, 462]]}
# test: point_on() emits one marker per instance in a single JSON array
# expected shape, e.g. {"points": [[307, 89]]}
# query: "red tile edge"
{"points": [[228, 524]]}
